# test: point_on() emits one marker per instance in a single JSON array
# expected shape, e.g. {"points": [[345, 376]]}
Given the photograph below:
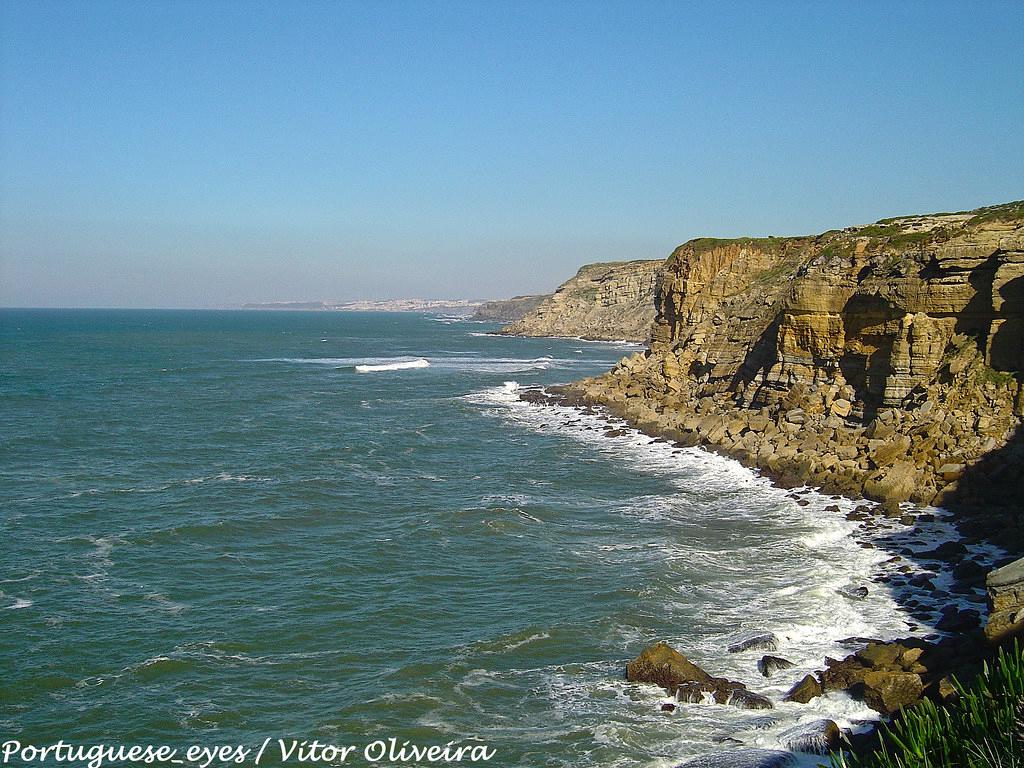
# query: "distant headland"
{"points": [[458, 306]]}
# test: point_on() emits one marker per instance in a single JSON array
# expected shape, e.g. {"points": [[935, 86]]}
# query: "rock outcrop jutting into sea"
{"points": [[609, 301], [882, 360], [508, 310]]}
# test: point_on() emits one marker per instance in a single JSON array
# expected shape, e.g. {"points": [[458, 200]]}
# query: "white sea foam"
{"points": [[455, 361], [794, 591], [396, 366], [226, 477], [525, 641], [29, 577]]}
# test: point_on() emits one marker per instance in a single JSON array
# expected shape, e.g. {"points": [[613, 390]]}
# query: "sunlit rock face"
{"points": [[609, 301], [816, 351]]}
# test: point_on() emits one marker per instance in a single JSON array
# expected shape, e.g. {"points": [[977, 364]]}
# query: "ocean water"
{"points": [[222, 527]]}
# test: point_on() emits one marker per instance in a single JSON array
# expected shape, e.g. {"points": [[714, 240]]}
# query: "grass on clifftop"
{"points": [[1004, 212], [1000, 212], [984, 728], [767, 244]]}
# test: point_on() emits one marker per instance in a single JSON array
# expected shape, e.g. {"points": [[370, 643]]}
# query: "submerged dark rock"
{"points": [[771, 664], [817, 736], [722, 691], [853, 592], [761, 722], [760, 641], [743, 758]]}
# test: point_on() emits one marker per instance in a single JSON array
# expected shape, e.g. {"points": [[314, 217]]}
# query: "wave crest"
{"points": [[399, 366]]}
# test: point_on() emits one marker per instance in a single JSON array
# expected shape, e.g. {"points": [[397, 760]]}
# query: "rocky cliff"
{"points": [[882, 360], [508, 310], [610, 301]]}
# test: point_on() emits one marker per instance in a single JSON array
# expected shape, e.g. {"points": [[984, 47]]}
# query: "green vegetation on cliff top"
{"points": [[1000, 212], [1004, 212], [768, 244], [889, 230]]}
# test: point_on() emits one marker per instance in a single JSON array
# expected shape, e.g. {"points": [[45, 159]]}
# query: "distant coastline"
{"points": [[461, 306]]}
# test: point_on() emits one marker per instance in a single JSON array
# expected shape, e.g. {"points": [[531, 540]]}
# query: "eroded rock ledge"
{"points": [[882, 361]]}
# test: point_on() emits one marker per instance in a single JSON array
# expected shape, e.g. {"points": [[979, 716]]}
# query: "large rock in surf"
{"points": [[722, 691], [808, 688], [817, 736], [743, 758], [768, 665], [888, 692], [663, 665], [760, 641]]}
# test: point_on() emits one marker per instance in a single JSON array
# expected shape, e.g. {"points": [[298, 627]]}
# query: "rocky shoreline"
{"points": [[883, 363], [946, 586], [880, 361]]}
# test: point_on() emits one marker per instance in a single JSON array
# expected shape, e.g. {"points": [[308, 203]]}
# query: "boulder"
{"points": [[950, 472], [1005, 588], [663, 665], [880, 654], [743, 758], [947, 550], [818, 737], [721, 691], [841, 408], [770, 664], [888, 692], [886, 454], [758, 641], [853, 592], [910, 657], [956, 620], [805, 690], [745, 699], [947, 691], [892, 484]]}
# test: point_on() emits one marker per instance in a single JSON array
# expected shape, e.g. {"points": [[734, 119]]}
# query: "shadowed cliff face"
{"points": [[608, 301], [883, 359]]}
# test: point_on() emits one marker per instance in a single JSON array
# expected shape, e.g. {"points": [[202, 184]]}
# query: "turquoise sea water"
{"points": [[217, 529]]}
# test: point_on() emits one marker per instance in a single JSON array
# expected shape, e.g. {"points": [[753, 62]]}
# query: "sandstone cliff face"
{"points": [[883, 359], [508, 310], [607, 301]]}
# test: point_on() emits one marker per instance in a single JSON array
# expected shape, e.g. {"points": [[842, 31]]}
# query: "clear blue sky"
{"points": [[209, 153]]}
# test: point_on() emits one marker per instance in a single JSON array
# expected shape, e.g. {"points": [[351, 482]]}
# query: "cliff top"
{"points": [[896, 231]]}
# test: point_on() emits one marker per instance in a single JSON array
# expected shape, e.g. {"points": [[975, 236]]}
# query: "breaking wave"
{"points": [[399, 366]]}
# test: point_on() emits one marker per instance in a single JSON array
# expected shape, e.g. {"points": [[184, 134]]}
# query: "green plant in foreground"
{"points": [[984, 728]]}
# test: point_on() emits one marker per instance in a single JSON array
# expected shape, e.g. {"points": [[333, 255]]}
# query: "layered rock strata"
{"points": [[881, 360], [609, 301]]}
